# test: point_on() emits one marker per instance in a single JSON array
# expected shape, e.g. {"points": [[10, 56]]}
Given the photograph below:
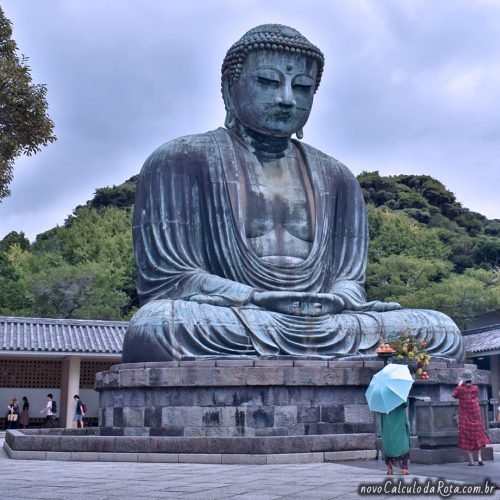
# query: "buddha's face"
{"points": [[274, 93]]}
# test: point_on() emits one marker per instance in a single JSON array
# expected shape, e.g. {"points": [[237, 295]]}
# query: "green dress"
{"points": [[395, 432]]}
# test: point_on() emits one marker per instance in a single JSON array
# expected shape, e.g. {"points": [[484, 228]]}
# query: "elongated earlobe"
{"points": [[230, 120], [300, 134]]}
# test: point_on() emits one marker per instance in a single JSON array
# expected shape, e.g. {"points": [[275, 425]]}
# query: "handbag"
{"points": [[12, 417]]}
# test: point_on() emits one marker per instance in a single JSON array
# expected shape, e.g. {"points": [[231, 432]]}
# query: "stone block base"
{"points": [[236, 398], [89, 445], [494, 435], [243, 411], [262, 397]]}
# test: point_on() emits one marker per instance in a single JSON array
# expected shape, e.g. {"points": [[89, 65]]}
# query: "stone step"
{"points": [[87, 444], [195, 458]]}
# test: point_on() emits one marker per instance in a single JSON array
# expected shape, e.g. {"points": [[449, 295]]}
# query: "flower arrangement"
{"points": [[412, 352]]}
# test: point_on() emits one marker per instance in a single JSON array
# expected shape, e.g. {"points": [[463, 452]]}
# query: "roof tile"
{"points": [[61, 335], [482, 339]]}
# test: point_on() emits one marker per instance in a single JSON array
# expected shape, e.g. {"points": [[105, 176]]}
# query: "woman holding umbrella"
{"points": [[396, 439], [388, 394]]}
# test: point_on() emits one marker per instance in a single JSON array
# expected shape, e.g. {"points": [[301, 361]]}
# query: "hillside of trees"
{"points": [[426, 251]]}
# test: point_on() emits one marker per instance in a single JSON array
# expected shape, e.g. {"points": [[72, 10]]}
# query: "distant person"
{"points": [[24, 419], [471, 432], [12, 414], [396, 439], [79, 414], [50, 411]]}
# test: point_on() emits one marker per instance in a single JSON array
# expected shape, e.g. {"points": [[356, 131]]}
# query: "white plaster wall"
{"points": [[37, 399]]}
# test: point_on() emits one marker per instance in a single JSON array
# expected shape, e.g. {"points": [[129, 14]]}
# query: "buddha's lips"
{"points": [[282, 114]]}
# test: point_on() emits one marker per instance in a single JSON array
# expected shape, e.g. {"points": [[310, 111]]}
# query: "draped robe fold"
{"points": [[197, 270]]}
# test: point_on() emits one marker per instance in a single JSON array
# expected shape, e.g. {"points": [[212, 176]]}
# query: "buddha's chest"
{"points": [[277, 199]]}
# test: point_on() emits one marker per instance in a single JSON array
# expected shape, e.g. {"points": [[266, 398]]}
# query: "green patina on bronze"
{"points": [[275, 37], [250, 243]]}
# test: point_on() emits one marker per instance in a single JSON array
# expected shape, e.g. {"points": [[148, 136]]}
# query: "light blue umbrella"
{"points": [[389, 388]]}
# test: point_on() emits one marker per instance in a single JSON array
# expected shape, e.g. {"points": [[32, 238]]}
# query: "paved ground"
{"points": [[30, 479]]}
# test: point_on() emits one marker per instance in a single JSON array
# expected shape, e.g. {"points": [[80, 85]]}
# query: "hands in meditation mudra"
{"points": [[250, 243]]}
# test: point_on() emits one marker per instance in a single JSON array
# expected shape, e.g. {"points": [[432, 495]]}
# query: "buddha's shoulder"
{"points": [[326, 161], [194, 144], [188, 154]]}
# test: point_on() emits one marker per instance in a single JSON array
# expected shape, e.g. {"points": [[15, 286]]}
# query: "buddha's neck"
{"points": [[265, 147]]}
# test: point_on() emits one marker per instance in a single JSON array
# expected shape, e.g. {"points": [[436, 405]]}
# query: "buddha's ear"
{"points": [[300, 134], [230, 120]]}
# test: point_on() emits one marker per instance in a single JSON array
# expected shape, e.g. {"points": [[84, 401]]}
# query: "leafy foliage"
{"points": [[81, 291], [424, 199], [82, 270], [24, 123], [461, 297], [427, 251]]}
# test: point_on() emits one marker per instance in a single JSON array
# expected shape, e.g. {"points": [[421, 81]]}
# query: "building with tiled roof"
{"points": [[59, 356], [482, 340], [85, 337], [482, 345]]}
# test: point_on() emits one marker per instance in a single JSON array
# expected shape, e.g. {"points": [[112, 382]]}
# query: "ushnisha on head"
{"points": [[273, 37]]}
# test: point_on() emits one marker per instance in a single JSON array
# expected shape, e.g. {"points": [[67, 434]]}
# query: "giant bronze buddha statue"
{"points": [[250, 243]]}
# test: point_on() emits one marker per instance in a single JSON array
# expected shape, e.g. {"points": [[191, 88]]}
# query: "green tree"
{"points": [[12, 293], [393, 277], [24, 123], [104, 237], [98, 236], [52, 287], [394, 233], [462, 297], [412, 200], [81, 291], [12, 238], [122, 196], [492, 228]]}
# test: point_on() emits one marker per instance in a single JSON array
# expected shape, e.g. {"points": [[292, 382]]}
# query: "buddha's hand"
{"points": [[299, 303], [376, 306]]}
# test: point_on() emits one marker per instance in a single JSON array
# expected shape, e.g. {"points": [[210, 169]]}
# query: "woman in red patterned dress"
{"points": [[471, 432]]}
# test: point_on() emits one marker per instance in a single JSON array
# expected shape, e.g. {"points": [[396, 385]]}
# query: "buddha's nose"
{"points": [[285, 96]]}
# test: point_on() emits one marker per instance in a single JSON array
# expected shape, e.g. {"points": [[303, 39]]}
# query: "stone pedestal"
{"points": [[269, 398], [258, 411], [236, 398]]}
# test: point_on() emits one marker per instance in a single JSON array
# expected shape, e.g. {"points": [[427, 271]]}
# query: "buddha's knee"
{"points": [[147, 337], [165, 330], [441, 334]]}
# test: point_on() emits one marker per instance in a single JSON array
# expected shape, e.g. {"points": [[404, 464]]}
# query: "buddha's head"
{"points": [[269, 78]]}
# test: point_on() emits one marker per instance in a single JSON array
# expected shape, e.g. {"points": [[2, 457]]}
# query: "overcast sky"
{"points": [[409, 87]]}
